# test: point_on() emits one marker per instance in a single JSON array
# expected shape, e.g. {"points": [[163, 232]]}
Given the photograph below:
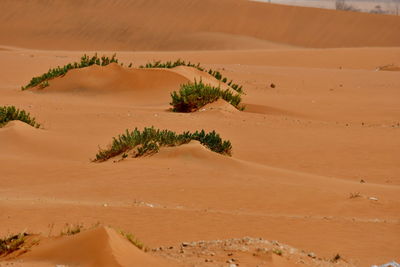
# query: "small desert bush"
{"points": [[11, 113], [193, 96], [43, 80], [12, 243], [216, 74], [136, 242], [72, 229], [150, 140]]}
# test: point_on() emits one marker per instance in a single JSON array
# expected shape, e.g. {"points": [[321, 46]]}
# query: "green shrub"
{"points": [[11, 113], [12, 243], [86, 61], [193, 96], [216, 74], [150, 140]]}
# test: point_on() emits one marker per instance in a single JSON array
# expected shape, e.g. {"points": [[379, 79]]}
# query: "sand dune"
{"points": [[219, 106], [97, 247], [114, 80], [18, 139], [192, 25], [314, 157], [192, 151], [149, 86]]}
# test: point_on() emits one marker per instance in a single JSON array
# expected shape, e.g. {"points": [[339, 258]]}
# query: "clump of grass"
{"points": [[193, 96], [216, 74], [72, 229], [12, 243], [11, 113], [170, 65], [150, 140], [43, 80], [136, 242]]}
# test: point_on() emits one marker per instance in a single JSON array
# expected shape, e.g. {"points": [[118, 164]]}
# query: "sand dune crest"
{"points": [[97, 247], [191, 151]]}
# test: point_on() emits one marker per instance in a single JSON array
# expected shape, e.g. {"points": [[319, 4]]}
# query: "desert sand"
{"points": [[315, 162]]}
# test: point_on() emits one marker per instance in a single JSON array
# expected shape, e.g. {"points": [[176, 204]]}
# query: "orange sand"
{"points": [[299, 150]]}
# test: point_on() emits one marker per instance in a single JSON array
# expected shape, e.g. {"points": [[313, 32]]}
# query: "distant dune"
{"points": [[187, 25]]}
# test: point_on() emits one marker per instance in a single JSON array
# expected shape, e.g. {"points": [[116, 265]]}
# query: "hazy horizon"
{"points": [[385, 6]]}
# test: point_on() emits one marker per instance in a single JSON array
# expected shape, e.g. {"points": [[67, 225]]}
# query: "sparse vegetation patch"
{"points": [[216, 74], [42, 81], [72, 229], [11, 113], [149, 141], [136, 242], [170, 65], [193, 96], [12, 243]]}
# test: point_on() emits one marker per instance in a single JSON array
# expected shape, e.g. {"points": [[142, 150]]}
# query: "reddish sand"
{"points": [[300, 149]]}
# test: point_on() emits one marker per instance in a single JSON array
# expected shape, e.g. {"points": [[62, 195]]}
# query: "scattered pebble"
{"points": [[198, 253]]}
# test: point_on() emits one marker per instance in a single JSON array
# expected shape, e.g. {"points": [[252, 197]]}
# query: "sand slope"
{"points": [[140, 86], [188, 25], [97, 247]]}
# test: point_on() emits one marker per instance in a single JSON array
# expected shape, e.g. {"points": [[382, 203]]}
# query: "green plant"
{"points": [[216, 74], [12, 243], [170, 65], [131, 238], [86, 61], [150, 140], [193, 96], [44, 84], [11, 113]]}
